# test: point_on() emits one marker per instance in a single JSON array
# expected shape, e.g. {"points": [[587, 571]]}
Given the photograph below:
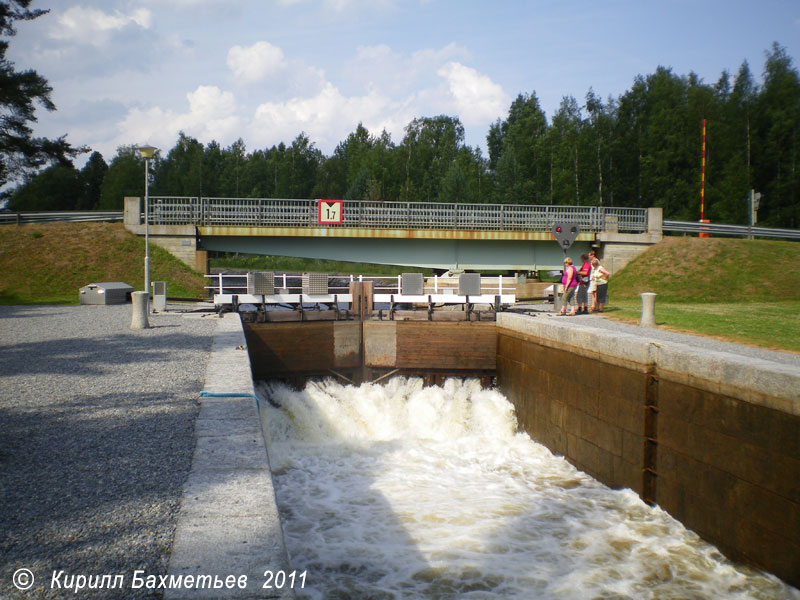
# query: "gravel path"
{"points": [[662, 335], [96, 441]]}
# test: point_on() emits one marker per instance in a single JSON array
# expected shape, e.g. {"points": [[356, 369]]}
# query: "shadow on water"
{"points": [[339, 526]]}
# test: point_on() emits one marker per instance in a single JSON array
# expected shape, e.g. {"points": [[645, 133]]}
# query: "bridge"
{"points": [[454, 237]]}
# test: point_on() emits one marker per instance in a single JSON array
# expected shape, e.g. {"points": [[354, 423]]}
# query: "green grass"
{"points": [[49, 263], [738, 290], [774, 325], [745, 291], [684, 269]]}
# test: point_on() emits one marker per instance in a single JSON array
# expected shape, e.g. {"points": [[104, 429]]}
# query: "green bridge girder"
{"points": [[444, 254]]}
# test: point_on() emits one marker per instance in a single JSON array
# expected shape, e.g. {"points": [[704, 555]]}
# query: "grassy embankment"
{"points": [[738, 290], [49, 263], [744, 291]]}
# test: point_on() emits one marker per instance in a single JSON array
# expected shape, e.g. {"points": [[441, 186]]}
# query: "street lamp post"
{"points": [[146, 152]]}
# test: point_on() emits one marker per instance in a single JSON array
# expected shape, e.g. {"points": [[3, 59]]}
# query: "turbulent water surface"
{"points": [[399, 491]]}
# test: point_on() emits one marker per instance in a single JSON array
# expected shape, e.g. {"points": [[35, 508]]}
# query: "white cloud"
{"points": [[293, 97], [212, 115], [255, 62], [477, 99], [326, 117], [93, 26], [380, 67], [341, 6]]}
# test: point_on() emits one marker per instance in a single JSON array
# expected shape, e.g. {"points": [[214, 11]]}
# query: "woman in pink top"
{"points": [[583, 285], [569, 279]]}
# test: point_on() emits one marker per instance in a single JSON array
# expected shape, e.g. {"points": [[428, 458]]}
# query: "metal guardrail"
{"points": [[269, 212], [20, 218], [730, 230], [170, 210]]}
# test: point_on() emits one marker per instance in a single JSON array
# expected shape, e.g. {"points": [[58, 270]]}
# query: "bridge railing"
{"points": [[270, 212]]}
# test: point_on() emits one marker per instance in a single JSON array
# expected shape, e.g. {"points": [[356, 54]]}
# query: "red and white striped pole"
{"points": [[703, 176], [703, 184]]}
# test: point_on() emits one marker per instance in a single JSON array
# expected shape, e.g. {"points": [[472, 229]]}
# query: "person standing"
{"points": [[599, 286], [569, 279], [583, 284]]}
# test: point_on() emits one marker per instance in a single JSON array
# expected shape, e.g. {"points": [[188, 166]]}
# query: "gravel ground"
{"points": [[96, 441], [662, 335]]}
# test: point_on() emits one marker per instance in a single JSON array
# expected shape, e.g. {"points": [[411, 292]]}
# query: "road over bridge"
{"points": [[453, 237]]}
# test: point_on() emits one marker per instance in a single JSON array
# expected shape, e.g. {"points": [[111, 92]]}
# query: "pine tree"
{"points": [[20, 91]]}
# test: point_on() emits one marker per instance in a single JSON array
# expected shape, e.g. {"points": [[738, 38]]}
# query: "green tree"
{"points": [[55, 188], [525, 131], [303, 161], [125, 177], [181, 171], [778, 149], [454, 186], [564, 146], [21, 152], [91, 179], [211, 166], [730, 154], [598, 135], [233, 162], [429, 148]]}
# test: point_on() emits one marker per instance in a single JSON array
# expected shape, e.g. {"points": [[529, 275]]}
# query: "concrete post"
{"points": [[655, 221], [648, 309], [132, 215], [558, 298], [140, 306]]}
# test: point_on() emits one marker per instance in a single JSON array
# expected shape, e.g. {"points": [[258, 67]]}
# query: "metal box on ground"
{"points": [[469, 284], [411, 284], [106, 292], [315, 284], [159, 296], [261, 283]]}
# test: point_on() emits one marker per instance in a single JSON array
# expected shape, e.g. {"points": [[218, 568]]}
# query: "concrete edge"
{"points": [[229, 523], [753, 380]]}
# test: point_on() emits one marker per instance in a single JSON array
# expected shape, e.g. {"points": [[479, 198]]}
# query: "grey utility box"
{"points": [[107, 292], [315, 284], [411, 284], [261, 283], [469, 284], [159, 296]]}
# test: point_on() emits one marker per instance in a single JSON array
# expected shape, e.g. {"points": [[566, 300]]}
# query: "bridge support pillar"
{"points": [[178, 240]]}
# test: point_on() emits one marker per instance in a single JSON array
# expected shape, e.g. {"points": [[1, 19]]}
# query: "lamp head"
{"points": [[146, 152]]}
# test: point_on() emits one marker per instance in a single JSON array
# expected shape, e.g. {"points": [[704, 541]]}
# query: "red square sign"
{"points": [[329, 212]]}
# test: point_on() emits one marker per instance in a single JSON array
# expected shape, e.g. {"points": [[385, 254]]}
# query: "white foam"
{"points": [[400, 491]]}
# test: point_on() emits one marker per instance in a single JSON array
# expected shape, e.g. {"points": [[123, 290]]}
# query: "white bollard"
{"points": [[648, 309], [139, 317]]}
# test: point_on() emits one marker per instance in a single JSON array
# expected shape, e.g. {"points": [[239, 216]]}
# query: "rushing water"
{"points": [[399, 491]]}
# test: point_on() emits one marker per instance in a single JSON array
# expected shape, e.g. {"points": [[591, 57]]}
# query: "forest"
{"points": [[640, 149]]}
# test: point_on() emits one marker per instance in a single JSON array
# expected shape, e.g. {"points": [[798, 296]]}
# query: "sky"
{"points": [[131, 73]]}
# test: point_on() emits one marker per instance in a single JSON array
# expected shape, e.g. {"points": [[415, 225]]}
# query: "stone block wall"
{"points": [[590, 412], [712, 438]]}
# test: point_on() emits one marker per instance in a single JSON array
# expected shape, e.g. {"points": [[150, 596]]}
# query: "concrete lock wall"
{"points": [[365, 350], [711, 438]]}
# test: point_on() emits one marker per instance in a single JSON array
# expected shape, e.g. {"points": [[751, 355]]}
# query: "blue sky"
{"points": [[128, 72]]}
